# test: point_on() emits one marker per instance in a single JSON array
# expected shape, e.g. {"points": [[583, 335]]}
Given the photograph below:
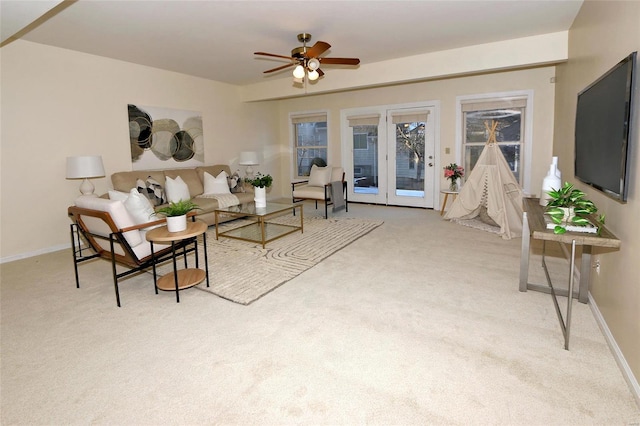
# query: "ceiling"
{"points": [[216, 39]]}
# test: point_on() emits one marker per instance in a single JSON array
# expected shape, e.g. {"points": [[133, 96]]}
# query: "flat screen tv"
{"points": [[606, 122]]}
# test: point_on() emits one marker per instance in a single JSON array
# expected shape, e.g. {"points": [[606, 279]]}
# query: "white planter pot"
{"points": [[260, 196], [177, 223]]}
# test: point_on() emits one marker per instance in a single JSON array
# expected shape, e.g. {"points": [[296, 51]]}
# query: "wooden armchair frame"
{"points": [[327, 195], [79, 230]]}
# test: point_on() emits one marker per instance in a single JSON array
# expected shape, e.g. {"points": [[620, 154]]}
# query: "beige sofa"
{"points": [[194, 178]]}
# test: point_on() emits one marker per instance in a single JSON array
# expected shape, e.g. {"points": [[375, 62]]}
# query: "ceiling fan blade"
{"points": [[340, 61], [320, 72], [278, 68], [273, 55], [318, 49]]}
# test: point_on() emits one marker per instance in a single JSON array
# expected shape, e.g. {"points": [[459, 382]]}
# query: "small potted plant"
{"points": [[568, 205], [176, 214], [260, 184]]}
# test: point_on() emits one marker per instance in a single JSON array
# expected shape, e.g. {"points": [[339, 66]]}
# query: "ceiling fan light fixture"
{"points": [[298, 80], [298, 71], [313, 64], [313, 75]]}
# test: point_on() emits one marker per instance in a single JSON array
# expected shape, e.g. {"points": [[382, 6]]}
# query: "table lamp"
{"points": [[249, 158], [85, 167]]}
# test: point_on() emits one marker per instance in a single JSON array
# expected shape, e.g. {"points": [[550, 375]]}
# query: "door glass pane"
{"points": [[410, 159], [365, 159]]}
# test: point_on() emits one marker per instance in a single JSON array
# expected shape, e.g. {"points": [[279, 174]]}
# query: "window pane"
{"points": [[508, 128], [512, 155], [365, 161], [311, 146], [410, 158]]}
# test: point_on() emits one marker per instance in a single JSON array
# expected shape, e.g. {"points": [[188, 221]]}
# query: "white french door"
{"points": [[389, 154]]}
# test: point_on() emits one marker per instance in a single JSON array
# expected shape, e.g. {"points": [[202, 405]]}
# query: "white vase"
{"points": [[177, 223], [260, 196], [550, 182]]}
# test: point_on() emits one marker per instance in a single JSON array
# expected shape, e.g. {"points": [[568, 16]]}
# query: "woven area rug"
{"points": [[243, 272]]}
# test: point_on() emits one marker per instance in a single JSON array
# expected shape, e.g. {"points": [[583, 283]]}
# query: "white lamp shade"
{"points": [[85, 167], [313, 64], [313, 75], [249, 158], [298, 72]]}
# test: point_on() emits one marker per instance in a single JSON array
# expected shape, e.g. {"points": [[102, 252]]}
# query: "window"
{"points": [[310, 138], [360, 141], [507, 115]]}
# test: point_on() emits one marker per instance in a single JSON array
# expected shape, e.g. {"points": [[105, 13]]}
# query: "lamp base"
{"points": [[87, 188], [248, 172]]}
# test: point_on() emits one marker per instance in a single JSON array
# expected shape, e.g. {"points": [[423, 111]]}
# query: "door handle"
{"points": [[430, 164]]}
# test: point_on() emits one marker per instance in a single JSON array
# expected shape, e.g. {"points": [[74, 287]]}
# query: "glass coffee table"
{"points": [[261, 229]]}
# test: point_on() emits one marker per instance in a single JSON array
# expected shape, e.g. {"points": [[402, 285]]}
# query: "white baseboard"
{"points": [[615, 349], [34, 253]]}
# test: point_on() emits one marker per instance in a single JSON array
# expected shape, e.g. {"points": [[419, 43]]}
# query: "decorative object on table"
{"points": [[176, 214], [249, 159], [551, 181], [453, 172], [164, 137], [85, 167], [260, 184], [569, 207]]}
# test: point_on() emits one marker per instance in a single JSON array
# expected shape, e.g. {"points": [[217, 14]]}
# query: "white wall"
{"points": [[603, 33], [445, 91], [58, 103]]}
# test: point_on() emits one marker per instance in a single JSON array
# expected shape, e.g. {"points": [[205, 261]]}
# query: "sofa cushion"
{"points": [[190, 177], [152, 189], [118, 213], [216, 185], [124, 181], [176, 190], [236, 184]]}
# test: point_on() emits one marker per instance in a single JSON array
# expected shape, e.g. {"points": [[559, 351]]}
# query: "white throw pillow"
{"points": [[140, 208], [118, 195], [176, 190], [319, 176], [216, 185]]}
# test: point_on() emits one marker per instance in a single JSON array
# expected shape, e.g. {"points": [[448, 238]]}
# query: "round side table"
{"points": [[446, 193], [187, 277]]}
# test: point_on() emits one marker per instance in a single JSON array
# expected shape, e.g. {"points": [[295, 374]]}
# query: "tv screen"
{"points": [[604, 123]]}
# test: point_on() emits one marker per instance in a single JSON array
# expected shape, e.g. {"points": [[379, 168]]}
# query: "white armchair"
{"points": [[326, 184]]}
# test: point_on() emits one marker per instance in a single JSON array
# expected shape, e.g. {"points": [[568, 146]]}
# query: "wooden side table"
{"points": [[187, 277], [446, 193]]}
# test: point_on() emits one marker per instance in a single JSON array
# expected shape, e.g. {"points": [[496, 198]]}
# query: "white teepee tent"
{"points": [[491, 187]]}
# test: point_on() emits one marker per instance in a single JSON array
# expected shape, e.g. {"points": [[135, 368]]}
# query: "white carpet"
{"points": [[419, 322], [243, 271]]}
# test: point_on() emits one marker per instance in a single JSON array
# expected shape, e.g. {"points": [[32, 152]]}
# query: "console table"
{"points": [[534, 226]]}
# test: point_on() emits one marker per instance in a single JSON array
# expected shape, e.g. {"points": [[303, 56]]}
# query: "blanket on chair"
{"points": [[337, 196]]}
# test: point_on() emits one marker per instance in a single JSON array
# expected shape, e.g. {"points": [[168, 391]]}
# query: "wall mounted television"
{"points": [[606, 125]]}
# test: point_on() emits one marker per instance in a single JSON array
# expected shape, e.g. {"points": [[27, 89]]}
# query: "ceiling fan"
{"points": [[307, 60]]}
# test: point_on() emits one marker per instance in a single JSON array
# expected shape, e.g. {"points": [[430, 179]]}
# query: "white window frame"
{"points": [[527, 135]]}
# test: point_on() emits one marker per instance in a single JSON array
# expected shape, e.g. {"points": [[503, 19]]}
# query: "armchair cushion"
{"points": [[118, 213], [319, 176]]}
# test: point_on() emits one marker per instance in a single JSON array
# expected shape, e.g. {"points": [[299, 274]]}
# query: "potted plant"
{"points": [[568, 205], [176, 214], [260, 184]]}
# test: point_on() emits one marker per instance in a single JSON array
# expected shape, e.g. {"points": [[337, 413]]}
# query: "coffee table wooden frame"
{"points": [[260, 230]]}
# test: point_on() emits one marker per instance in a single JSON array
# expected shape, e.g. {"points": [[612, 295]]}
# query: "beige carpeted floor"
{"points": [[418, 322]]}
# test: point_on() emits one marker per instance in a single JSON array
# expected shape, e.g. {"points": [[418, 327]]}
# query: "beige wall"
{"points": [[445, 91], [603, 33], [58, 103]]}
